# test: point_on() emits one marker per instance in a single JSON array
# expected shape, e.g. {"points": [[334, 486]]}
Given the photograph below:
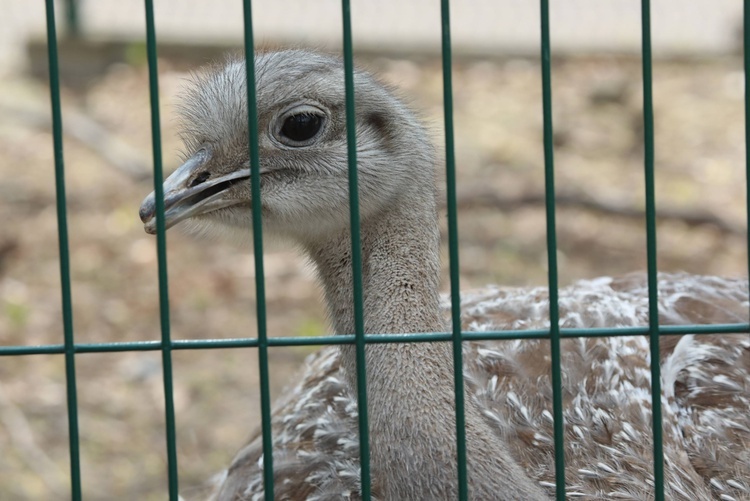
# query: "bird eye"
{"points": [[300, 128]]}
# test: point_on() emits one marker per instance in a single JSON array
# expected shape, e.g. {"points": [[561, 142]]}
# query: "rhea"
{"points": [[509, 423]]}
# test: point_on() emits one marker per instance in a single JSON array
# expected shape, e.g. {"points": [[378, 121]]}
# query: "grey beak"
{"points": [[190, 191]]}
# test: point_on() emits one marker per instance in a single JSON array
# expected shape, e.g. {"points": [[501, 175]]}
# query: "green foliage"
{"points": [[311, 327], [17, 314], [136, 54]]}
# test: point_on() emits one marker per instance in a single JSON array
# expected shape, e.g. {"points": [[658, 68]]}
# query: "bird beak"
{"points": [[184, 199]]}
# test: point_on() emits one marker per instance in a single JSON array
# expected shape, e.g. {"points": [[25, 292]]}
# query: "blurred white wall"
{"points": [[485, 26]]}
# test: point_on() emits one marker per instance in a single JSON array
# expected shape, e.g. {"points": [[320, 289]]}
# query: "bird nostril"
{"points": [[200, 178]]}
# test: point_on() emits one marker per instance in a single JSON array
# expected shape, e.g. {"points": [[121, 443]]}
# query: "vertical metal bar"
{"points": [[260, 286], [450, 174], [62, 232], [554, 313], [359, 322], [746, 55], [72, 19], [161, 252], [653, 306]]}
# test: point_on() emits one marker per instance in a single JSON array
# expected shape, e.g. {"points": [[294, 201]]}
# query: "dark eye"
{"points": [[301, 127]]}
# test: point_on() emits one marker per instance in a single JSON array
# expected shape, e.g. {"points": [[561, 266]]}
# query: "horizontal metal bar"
{"points": [[207, 344]]}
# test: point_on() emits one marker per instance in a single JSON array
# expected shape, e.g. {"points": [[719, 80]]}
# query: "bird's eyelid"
{"points": [[299, 107]]}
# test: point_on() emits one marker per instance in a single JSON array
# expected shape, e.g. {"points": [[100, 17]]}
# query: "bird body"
{"points": [[606, 405], [606, 381]]}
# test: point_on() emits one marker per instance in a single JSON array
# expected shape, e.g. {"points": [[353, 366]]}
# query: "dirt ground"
{"points": [[599, 157]]}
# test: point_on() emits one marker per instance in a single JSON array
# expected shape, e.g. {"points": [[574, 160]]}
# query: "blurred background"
{"points": [[700, 183]]}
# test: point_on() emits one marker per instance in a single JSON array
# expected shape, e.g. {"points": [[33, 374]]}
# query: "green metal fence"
{"points": [[69, 348]]}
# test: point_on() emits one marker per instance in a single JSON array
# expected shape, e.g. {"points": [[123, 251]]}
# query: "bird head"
{"points": [[302, 146]]}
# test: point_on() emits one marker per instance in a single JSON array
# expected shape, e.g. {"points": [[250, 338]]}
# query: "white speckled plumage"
{"points": [[606, 381], [608, 439]]}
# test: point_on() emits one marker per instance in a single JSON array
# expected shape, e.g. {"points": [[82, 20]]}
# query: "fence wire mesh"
{"points": [[69, 349]]}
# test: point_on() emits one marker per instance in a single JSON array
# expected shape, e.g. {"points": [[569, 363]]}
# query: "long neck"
{"points": [[410, 385], [400, 274]]}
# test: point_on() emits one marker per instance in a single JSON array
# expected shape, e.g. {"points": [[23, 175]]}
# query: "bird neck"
{"points": [[410, 385], [400, 273]]}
